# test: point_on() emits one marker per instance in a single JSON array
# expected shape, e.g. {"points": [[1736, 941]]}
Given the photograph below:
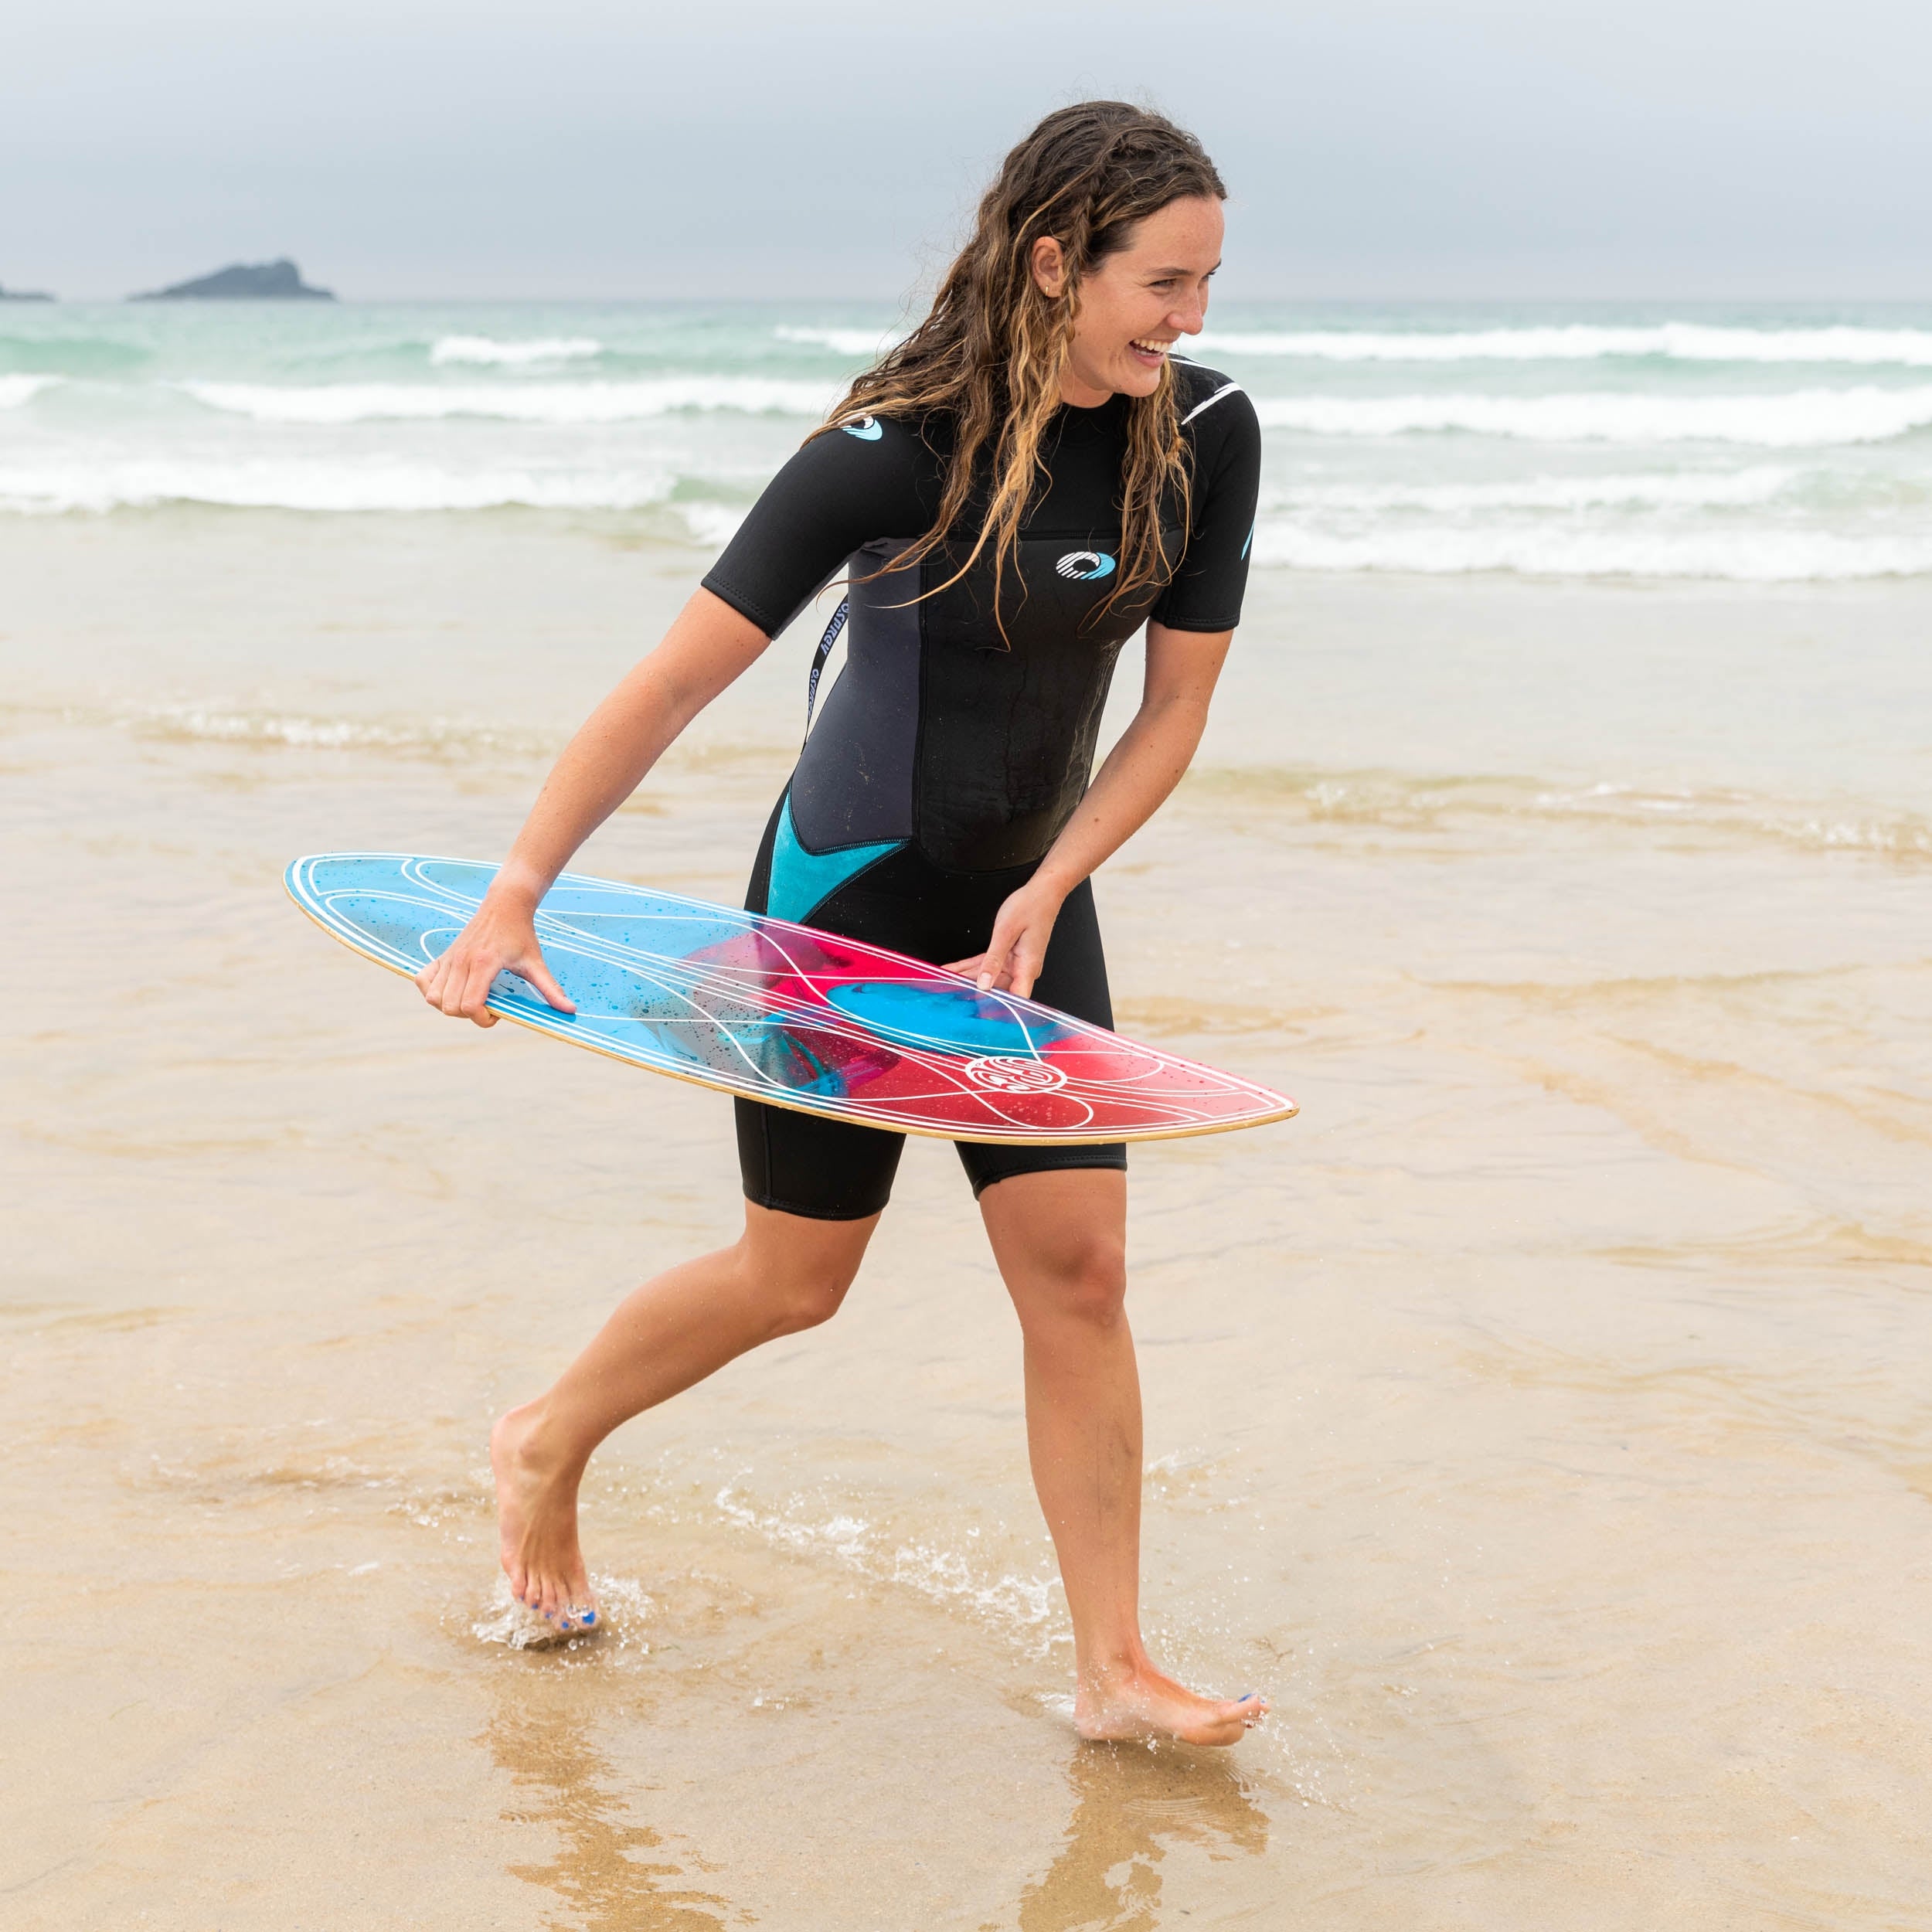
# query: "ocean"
{"points": [[1539, 1418], [1745, 445]]}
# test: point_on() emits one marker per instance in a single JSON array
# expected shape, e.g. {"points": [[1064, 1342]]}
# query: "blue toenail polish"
{"points": [[590, 1617]]}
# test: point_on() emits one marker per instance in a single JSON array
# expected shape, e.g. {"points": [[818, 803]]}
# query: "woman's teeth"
{"points": [[1152, 349]]}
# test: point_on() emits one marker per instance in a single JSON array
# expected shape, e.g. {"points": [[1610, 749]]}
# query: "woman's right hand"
{"points": [[499, 937]]}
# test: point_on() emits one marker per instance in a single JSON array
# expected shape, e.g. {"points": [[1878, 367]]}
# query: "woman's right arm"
{"points": [[708, 646]]}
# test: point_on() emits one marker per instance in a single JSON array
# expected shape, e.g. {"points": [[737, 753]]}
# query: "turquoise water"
{"points": [[1767, 444]]}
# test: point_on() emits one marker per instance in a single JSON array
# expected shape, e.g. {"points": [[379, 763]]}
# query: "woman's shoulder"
{"points": [[1201, 393], [902, 446]]}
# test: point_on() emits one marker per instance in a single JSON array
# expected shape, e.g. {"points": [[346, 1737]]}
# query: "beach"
{"points": [[1539, 1419]]}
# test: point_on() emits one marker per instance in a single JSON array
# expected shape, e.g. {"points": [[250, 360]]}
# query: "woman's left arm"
{"points": [[1140, 771]]}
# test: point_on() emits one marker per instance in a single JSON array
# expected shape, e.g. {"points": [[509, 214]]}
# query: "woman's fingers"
{"points": [[476, 989], [534, 969], [992, 966], [1023, 967], [458, 983], [1014, 955]]}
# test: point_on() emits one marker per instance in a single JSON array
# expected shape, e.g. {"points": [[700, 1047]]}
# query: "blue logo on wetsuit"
{"points": [[868, 429], [1084, 566]]}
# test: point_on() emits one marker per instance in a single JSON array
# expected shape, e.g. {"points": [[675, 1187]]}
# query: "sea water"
{"points": [[1742, 445], [1539, 1418]]}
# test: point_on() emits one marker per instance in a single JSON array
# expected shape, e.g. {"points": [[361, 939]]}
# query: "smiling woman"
{"points": [[1011, 493]]}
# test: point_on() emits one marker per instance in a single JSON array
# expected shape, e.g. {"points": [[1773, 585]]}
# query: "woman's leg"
{"points": [[1060, 1239], [785, 1273]]}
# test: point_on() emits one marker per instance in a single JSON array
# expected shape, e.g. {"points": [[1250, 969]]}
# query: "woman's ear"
{"points": [[1049, 267]]}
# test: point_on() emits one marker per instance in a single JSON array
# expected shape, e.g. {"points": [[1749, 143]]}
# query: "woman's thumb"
{"points": [[540, 976]]}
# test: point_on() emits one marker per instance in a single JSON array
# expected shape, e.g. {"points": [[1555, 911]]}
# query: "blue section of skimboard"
{"points": [[942, 1019]]}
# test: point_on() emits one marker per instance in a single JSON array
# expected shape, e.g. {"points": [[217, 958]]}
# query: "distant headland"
{"points": [[23, 295], [277, 281]]}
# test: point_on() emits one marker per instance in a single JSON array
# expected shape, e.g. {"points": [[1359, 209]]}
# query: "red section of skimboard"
{"points": [[782, 1013]]}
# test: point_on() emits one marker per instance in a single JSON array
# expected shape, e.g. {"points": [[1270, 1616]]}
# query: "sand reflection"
{"points": [[602, 1870], [1130, 1805]]}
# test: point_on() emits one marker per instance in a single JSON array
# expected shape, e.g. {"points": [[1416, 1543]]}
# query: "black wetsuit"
{"points": [[948, 757]]}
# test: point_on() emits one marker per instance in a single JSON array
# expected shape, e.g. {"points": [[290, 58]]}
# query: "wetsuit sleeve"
{"points": [[1206, 592], [842, 490]]}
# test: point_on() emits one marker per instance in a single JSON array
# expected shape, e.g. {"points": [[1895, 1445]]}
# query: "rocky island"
{"points": [[23, 295], [276, 281]]}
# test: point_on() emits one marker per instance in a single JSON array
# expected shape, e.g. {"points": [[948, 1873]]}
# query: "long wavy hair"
{"points": [[990, 355]]}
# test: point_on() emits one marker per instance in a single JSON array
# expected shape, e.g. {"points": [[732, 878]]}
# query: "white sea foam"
{"points": [[16, 390], [1797, 419], [1668, 490], [842, 342], [1732, 556], [1678, 342], [480, 349], [516, 402], [374, 484], [437, 737], [1017, 1605], [712, 525]]}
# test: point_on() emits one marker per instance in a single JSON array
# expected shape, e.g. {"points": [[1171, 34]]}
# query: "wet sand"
{"points": [[1540, 1419]]}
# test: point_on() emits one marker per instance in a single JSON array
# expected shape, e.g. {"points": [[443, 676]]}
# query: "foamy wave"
{"points": [[480, 349], [1801, 418], [1019, 1605], [53, 488], [1672, 491], [1575, 342], [16, 390], [430, 737], [842, 342], [1738, 557], [516, 402], [628, 1609], [1401, 801], [711, 524]]}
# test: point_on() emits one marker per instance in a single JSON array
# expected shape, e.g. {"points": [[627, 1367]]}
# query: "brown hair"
{"points": [[991, 352]]}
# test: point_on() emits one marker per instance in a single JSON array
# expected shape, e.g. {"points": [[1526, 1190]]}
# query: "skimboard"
{"points": [[781, 1013]]}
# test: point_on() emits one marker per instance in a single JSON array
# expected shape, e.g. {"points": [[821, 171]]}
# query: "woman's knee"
{"points": [[1081, 1276], [807, 1301], [800, 1270]]}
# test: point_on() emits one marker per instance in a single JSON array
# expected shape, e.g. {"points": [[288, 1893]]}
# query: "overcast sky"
{"points": [[1459, 148]]}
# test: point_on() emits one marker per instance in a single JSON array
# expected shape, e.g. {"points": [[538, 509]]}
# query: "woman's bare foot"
{"points": [[1136, 1700], [536, 1520]]}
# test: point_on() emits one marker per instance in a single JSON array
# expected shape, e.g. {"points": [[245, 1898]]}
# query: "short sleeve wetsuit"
{"points": [[948, 756]]}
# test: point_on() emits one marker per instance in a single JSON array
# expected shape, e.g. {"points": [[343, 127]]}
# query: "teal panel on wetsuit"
{"points": [[800, 879]]}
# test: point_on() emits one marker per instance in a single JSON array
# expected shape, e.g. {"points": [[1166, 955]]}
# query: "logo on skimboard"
{"points": [[1004, 1074]]}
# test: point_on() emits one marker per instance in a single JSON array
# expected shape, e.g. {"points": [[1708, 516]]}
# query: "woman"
{"points": [[1010, 495]]}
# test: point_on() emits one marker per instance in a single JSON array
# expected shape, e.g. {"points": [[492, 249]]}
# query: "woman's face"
{"points": [[1135, 303]]}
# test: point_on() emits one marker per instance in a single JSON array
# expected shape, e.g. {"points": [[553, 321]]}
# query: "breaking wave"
{"points": [[1799, 419], [1694, 490], [1763, 555], [841, 342], [517, 403], [16, 390], [1575, 342], [265, 484], [480, 349]]}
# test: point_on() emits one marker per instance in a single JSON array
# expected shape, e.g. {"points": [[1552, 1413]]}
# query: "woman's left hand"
{"points": [[1017, 950]]}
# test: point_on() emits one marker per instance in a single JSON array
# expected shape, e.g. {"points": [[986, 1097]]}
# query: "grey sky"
{"points": [[1462, 148]]}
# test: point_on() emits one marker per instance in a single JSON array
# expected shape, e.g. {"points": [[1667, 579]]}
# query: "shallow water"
{"points": [[1540, 1419]]}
